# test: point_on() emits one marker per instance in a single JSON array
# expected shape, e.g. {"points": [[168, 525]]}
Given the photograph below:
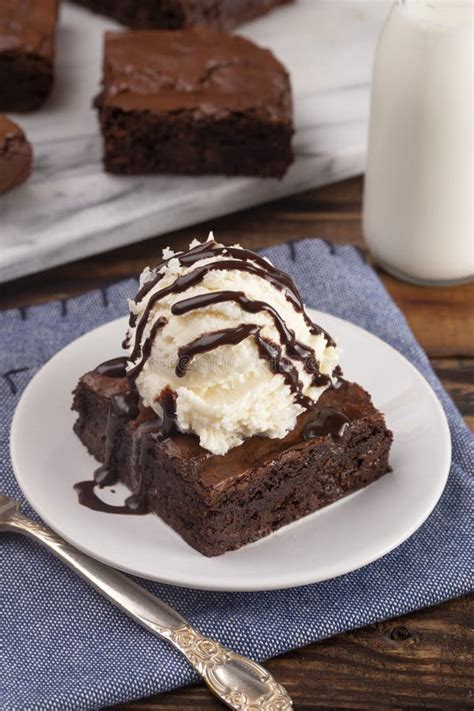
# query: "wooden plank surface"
{"points": [[419, 661], [423, 660]]}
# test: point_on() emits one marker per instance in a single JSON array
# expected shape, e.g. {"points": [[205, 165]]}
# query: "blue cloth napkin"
{"points": [[65, 647]]}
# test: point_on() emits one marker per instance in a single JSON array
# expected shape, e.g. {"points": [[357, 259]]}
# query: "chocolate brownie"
{"points": [[177, 14], [193, 101], [27, 34], [220, 503], [15, 155]]}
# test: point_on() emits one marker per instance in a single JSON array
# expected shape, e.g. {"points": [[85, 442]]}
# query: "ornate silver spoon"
{"points": [[237, 681]]}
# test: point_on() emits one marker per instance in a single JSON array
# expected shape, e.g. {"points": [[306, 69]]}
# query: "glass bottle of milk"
{"points": [[419, 195]]}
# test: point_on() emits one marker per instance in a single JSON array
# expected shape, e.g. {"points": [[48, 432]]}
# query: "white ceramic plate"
{"points": [[49, 459]]}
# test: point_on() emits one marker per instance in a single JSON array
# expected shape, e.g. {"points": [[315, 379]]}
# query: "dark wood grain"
{"points": [[423, 660], [419, 661], [457, 376]]}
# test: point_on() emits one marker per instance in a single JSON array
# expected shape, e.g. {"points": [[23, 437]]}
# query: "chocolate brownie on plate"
{"points": [[220, 503], [229, 416], [193, 102], [27, 46], [177, 14]]}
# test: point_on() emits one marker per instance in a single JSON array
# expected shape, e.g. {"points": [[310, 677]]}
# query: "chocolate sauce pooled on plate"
{"points": [[125, 406], [327, 422], [87, 497]]}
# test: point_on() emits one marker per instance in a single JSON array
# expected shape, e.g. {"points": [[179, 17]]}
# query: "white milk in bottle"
{"points": [[419, 195]]}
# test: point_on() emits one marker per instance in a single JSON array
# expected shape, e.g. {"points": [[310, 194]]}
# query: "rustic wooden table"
{"points": [[423, 660]]}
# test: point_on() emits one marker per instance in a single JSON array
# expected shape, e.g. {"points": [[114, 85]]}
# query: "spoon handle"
{"points": [[239, 682]]}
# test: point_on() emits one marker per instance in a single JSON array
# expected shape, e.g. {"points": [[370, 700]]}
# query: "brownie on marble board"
{"points": [[27, 48], [178, 14], [193, 102], [220, 503], [16, 155]]}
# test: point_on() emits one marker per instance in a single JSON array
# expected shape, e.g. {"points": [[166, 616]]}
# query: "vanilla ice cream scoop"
{"points": [[226, 334]]}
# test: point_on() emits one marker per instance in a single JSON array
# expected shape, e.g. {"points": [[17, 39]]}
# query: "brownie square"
{"points": [[220, 503], [177, 14], [27, 39], [193, 102], [15, 155]]}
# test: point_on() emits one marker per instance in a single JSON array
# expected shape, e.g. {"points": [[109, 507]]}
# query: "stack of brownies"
{"points": [[180, 93]]}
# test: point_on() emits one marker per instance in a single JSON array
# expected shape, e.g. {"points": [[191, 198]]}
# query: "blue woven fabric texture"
{"points": [[65, 647]]}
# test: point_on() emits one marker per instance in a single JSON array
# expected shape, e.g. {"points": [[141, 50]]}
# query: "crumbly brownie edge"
{"points": [[246, 144], [296, 484], [284, 490], [90, 426]]}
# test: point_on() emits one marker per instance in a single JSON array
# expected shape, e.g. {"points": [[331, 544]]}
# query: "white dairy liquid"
{"points": [[419, 194]]}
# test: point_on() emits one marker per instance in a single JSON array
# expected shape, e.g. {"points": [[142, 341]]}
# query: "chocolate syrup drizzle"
{"points": [[294, 349], [157, 427], [327, 422], [209, 341], [114, 368], [209, 250], [282, 366], [266, 349], [134, 372], [196, 276], [124, 407], [131, 323], [258, 266], [87, 497]]}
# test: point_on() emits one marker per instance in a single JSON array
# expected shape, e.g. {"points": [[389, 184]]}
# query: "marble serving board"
{"points": [[70, 208]]}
